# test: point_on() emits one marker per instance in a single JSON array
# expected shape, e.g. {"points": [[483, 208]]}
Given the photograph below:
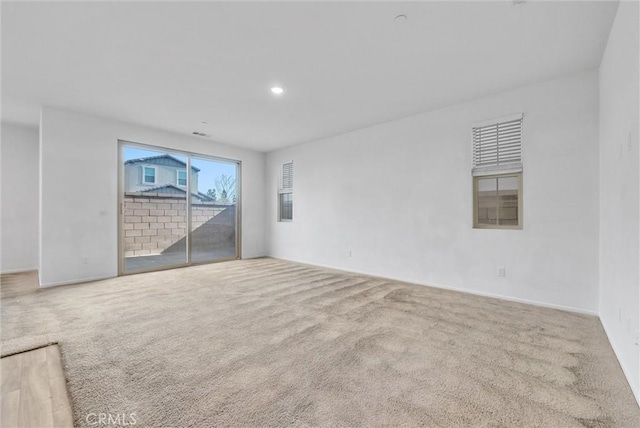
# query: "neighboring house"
{"points": [[163, 174]]}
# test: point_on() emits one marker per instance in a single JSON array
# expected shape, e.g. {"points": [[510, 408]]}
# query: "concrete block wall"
{"points": [[216, 233], [155, 223]]}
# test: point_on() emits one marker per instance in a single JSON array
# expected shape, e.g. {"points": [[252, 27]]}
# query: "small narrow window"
{"points": [[149, 175], [182, 177], [497, 174], [285, 193]]}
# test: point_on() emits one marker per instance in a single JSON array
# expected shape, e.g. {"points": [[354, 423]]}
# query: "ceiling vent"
{"points": [[199, 134]]}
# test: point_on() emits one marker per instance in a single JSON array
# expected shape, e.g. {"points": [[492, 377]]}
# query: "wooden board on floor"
{"points": [[34, 391], [18, 284]]}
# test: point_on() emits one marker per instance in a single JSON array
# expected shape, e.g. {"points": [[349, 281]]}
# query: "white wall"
{"points": [[79, 160], [620, 192], [19, 218], [399, 196]]}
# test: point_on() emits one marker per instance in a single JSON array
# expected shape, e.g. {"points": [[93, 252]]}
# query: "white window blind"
{"points": [[286, 179], [497, 146]]}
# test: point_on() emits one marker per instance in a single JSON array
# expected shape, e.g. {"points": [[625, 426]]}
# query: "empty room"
{"points": [[323, 214]]}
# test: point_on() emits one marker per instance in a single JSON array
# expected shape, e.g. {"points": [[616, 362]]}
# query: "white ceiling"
{"points": [[343, 65]]}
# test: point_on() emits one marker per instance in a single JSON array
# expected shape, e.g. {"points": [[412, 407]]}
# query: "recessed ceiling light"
{"points": [[277, 90], [204, 123], [400, 18]]}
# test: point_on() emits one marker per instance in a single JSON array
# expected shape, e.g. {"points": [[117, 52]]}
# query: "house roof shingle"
{"points": [[175, 190], [157, 160]]}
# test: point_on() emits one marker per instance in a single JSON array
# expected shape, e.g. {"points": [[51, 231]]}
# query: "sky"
{"points": [[209, 169]]}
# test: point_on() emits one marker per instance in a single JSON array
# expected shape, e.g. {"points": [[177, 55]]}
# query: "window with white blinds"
{"points": [[497, 173], [286, 177], [497, 146], [285, 193]]}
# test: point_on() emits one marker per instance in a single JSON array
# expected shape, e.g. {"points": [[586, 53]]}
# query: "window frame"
{"points": [[155, 175], [283, 191], [476, 223], [280, 218], [186, 177]]}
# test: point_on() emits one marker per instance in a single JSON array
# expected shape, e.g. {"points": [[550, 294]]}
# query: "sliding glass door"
{"points": [[176, 209], [213, 210]]}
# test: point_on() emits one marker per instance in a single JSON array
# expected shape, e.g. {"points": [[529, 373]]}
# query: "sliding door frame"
{"points": [[188, 155]]}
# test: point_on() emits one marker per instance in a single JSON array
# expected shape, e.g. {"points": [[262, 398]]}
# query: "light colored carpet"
{"points": [[270, 343]]}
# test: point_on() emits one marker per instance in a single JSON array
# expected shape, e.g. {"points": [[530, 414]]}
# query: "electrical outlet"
{"points": [[348, 253], [501, 271]]}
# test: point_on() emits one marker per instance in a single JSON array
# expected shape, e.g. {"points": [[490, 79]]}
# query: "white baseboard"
{"points": [[75, 281], [625, 370], [249, 256], [428, 284], [459, 289], [517, 299], [520, 300], [9, 271]]}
